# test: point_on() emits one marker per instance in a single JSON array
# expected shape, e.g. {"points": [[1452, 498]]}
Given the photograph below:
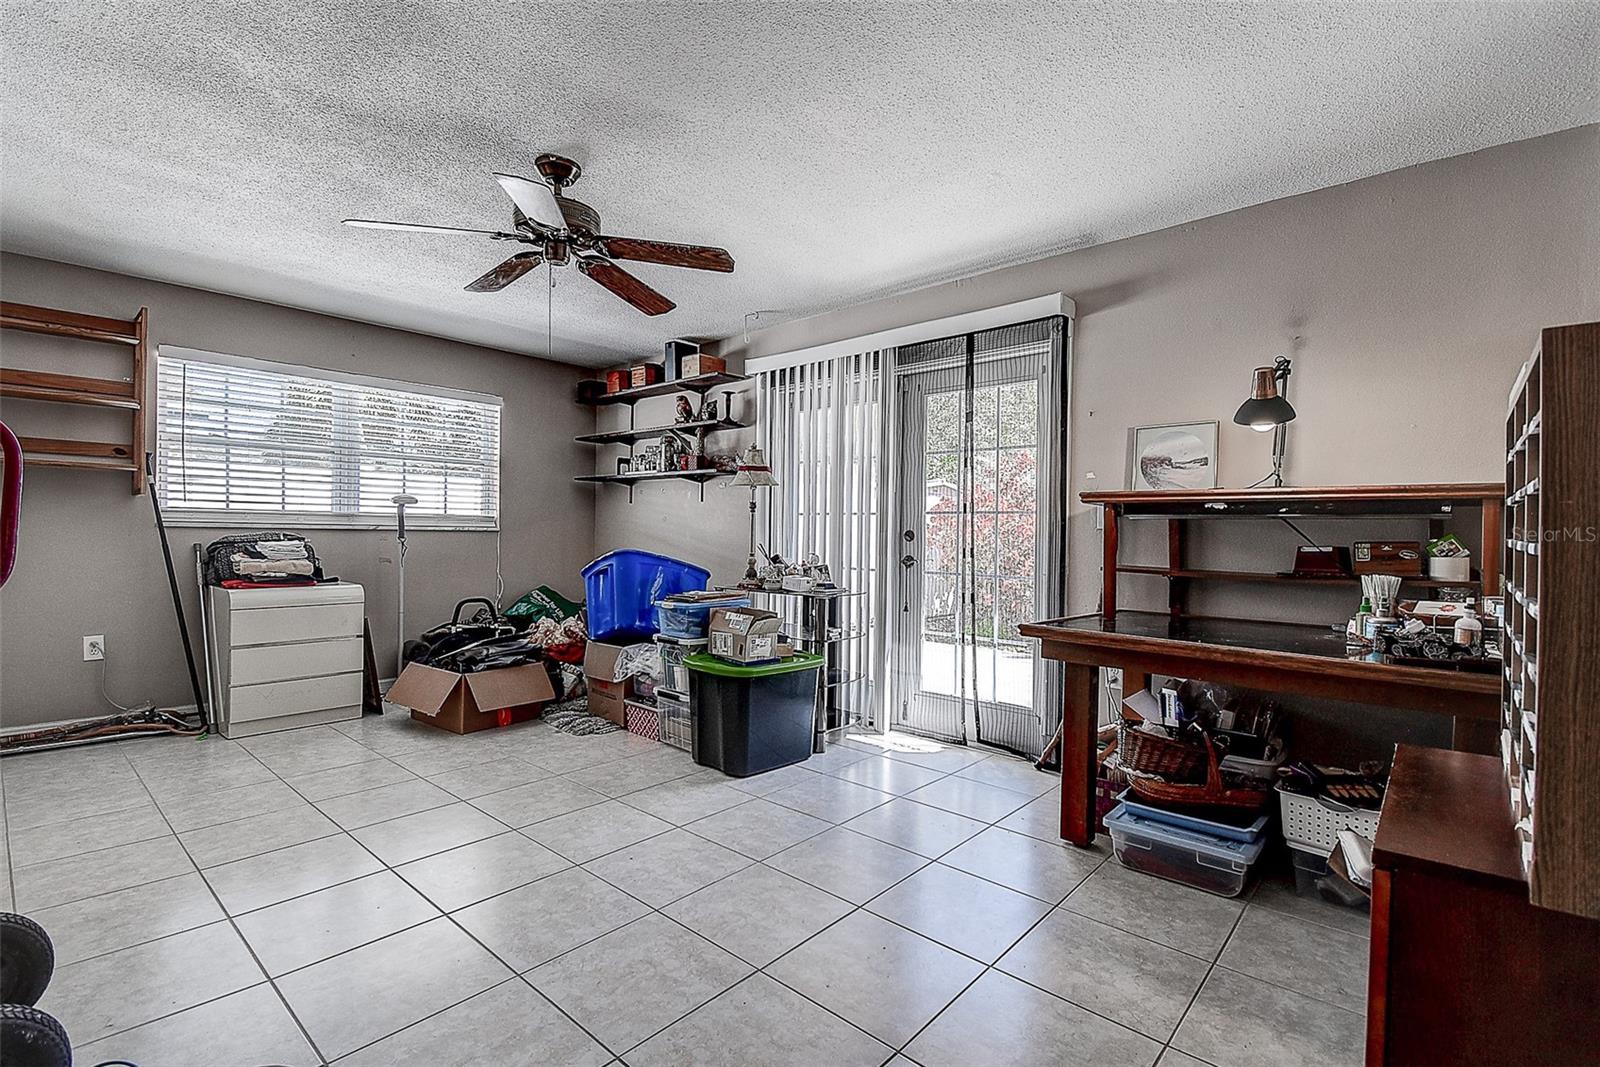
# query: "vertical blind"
{"points": [[247, 441], [825, 435]]}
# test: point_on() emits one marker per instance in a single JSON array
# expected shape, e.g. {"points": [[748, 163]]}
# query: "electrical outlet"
{"points": [[94, 647], [1113, 677]]}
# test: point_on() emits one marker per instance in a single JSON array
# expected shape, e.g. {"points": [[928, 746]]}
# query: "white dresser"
{"points": [[282, 658]]}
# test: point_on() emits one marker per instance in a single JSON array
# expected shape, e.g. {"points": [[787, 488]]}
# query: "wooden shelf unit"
{"points": [[1431, 502], [1550, 701], [52, 388]]}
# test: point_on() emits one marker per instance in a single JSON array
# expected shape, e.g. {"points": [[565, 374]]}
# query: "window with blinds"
{"points": [[245, 441]]}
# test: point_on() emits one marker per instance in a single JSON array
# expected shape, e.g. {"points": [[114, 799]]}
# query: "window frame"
{"points": [[178, 516]]}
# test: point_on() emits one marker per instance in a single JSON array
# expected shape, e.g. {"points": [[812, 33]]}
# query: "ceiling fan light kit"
{"points": [[563, 232]]}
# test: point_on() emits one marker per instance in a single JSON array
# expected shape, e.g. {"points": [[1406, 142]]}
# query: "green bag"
{"points": [[544, 603]]}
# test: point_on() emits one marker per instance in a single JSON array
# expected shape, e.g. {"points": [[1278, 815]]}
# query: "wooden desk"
{"points": [[1277, 657], [1463, 970]]}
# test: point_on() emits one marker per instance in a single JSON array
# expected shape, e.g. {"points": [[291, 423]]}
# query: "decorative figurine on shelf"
{"points": [[669, 451], [708, 411], [685, 412]]}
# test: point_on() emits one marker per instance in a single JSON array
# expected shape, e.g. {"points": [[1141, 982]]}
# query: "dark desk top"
{"points": [[1448, 811], [1337, 500], [1247, 642]]}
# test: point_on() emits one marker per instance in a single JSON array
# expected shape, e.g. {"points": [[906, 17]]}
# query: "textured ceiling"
{"points": [[840, 151]]}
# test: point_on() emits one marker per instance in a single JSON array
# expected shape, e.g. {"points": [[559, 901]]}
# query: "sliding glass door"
{"points": [[971, 538]]}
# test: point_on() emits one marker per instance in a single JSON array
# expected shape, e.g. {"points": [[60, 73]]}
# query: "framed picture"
{"points": [[1180, 455]]}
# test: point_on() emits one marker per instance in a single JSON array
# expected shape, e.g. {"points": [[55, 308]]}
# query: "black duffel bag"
{"points": [[247, 557]]}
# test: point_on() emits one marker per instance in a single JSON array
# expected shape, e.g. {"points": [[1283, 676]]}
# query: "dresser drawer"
{"points": [[253, 664], [271, 700], [278, 625]]}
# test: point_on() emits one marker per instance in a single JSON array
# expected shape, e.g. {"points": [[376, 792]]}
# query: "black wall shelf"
{"points": [[700, 383], [632, 435], [631, 479]]}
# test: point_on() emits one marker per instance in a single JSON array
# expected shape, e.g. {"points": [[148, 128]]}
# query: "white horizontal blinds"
{"points": [[244, 440]]}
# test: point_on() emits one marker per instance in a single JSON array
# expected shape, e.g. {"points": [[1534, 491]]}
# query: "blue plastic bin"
{"points": [[622, 588], [687, 620]]}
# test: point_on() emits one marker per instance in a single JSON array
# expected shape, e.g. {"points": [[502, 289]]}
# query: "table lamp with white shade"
{"points": [[753, 471]]}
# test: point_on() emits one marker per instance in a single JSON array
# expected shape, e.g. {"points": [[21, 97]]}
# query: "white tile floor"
{"points": [[382, 893]]}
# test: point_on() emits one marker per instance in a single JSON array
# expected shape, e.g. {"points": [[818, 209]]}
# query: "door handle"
{"points": [[908, 560]]}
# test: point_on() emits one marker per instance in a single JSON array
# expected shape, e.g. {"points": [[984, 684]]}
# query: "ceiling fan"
{"points": [[561, 231]]}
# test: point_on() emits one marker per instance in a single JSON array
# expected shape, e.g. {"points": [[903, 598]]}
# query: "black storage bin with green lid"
{"points": [[752, 719]]}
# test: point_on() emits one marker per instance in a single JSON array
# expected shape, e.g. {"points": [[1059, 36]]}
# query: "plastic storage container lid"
{"points": [[1121, 820], [801, 661], [1133, 806]]}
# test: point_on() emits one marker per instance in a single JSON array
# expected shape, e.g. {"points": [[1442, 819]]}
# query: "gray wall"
{"points": [[1414, 295], [90, 562], [1409, 300]]}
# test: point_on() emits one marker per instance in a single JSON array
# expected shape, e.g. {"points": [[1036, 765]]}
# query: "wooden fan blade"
{"points": [[380, 224], [695, 257], [506, 273], [626, 286], [534, 199]]}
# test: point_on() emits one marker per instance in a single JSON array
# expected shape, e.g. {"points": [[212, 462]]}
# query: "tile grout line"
{"points": [[450, 916], [1210, 967], [385, 866], [234, 926], [494, 756]]}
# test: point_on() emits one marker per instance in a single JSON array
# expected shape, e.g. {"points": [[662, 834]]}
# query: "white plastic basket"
{"points": [[1312, 824]]}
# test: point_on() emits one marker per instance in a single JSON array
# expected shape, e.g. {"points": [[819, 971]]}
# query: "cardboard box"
{"points": [[744, 635], [607, 696], [463, 703], [700, 363]]}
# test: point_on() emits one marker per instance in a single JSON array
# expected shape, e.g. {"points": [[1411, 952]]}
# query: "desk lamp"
{"points": [[1269, 409]]}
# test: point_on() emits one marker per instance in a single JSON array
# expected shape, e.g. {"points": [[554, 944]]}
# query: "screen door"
{"points": [[970, 540]]}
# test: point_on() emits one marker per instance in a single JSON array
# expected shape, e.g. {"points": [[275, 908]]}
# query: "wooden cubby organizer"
{"points": [[49, 387], [1550, 724]]}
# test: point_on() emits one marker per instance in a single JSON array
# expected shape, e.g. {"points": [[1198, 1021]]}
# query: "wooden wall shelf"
{"points": [[52, 388]]}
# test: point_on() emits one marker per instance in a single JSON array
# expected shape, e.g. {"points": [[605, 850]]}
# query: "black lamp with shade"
{"points": [[753, 471], [1269, 409]]}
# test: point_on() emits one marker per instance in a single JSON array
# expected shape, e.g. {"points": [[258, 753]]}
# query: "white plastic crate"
{"points": [[1312, 824]]}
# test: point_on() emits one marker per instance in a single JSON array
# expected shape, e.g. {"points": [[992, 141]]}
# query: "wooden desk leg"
{"points": [[1077, 755], [1474, 735]]}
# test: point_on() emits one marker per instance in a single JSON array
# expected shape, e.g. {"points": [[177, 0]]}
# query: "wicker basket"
{"points": [[1143, 752], [1212, 794]]}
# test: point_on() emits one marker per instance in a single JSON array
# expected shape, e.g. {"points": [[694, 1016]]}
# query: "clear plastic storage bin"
{"points": [[676, 722], [1215, 864], [674, 675], [687, 620]]}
